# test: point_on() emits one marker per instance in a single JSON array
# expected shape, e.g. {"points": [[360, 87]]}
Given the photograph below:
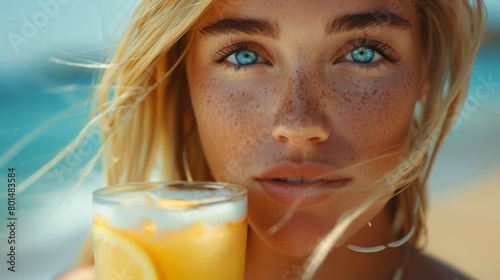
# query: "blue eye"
{"points": [[367, 53], [244, 57], [362, 55]]}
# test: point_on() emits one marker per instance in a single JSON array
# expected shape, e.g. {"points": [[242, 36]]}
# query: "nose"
{"points": [[299, 135], [300, 119]]}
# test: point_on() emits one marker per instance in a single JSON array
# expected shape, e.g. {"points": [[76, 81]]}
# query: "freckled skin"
{"points": [[302, 107]]}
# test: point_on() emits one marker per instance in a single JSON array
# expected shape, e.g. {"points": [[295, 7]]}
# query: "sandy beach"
{"points": [[464, 230]]}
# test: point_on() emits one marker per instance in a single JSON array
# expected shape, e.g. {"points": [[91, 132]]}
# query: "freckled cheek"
{"points": [[378, 113], [230, 119]]}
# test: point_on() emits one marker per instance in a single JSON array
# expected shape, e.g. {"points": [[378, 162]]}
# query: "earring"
{"points": [[395, 244], [185, 164], [185, 160]]}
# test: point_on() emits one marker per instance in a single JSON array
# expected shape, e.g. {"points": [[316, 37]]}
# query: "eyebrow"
{"points": [[249, 26], [264, 27], [360, 21]]}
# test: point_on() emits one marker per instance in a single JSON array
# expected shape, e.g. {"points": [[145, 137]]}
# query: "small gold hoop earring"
{"points": [[185, 159]]}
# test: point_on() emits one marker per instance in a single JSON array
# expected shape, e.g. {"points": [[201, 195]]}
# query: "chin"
{"points": [[298, 237], [293, 243]]}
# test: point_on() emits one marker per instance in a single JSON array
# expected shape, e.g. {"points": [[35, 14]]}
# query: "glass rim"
{"points": [[108, 194]]}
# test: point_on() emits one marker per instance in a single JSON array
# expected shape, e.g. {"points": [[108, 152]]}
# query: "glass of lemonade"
{"points": [[170, 230]]}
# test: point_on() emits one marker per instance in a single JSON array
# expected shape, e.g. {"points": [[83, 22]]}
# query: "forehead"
{"points": [[307, 11]]}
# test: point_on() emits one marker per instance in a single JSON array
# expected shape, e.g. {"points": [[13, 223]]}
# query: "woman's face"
{"points": [[297, 101]]}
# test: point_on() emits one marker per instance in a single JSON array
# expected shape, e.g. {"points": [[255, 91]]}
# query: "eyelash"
{"points": [[231, 48], [381, 48]]}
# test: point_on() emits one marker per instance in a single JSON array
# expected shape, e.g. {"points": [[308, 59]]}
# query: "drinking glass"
{"points": [[170, 230]]}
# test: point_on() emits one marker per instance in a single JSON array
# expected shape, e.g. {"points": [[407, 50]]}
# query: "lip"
{"points": [[307, 193]]}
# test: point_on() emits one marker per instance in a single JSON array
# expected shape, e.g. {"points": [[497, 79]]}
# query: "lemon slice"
{"points": [[176, 203], [118, 257]]}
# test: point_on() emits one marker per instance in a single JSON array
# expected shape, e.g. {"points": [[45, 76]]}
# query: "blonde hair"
{"points": [[144, 111]]}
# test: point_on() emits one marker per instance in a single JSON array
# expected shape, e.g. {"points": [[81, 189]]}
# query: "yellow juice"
{"points": [[170, 231], [199, 251]]}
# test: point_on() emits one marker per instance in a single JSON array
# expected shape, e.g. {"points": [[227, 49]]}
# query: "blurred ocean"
{"points": [[472, 146], [38, 93]]}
